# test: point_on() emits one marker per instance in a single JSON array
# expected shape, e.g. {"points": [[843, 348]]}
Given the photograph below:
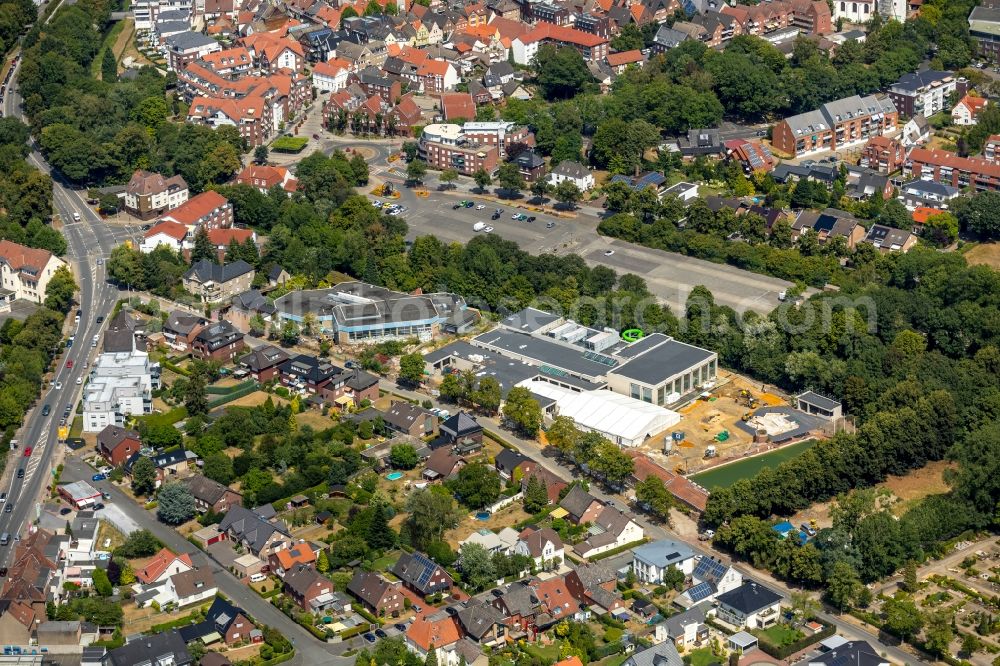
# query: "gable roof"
{"points": [[404, 414], [114, 436], [23, 259], [197, 207], [535, 538], [205, 489], [168, 228], [416, 569], [160, 562], [577, 501], [433, 627], [145, 648], [302, 577], [250, 527], [370, 587], [209, 271], [192, 582], [442, 461], [460, 425]]}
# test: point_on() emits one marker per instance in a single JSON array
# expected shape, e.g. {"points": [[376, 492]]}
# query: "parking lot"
{"points": [[670, 277]]}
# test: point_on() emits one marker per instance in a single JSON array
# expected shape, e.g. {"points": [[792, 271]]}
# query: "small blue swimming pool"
{"points": [[394, 476], [483, 515]]}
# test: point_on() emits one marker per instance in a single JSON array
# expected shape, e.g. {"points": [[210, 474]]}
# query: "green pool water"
{"points": [[727, 475]]}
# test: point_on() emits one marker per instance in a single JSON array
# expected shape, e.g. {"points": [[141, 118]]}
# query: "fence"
{"points": [[235, 395]]}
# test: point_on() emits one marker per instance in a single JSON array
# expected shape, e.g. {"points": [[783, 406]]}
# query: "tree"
{"points": [[971, 644], [219, 467], [612, 464], [126, 576], [564, 435], [476, 485], [196, 396], [628, 39], [902, 617], [410, 150], [567, 193], [60, 290], [939, 633], [431, 512], [487, 395], [432, 658], [561, 72], [289, 333], [843, 585], [379, 535], [203, 247], [403, 456], [143, 476], [109, 67], [260, 154], [322, 561], [415, 171], [411, 368], [941, 229], [540, 188], [804, 606], [102, 584], [482, 178], [477, 567], [654, 495], [140, 543], [509, 177], [536, 495], [175, 504], [619, 144], [981, 214], [523, 411], [448, 177], [451, 389]]}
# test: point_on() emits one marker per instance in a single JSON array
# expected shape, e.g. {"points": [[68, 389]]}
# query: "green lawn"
{"points": [[109, 41], [613, 660], [547, 653], [702, 657], [727, 475], [76, 429], [780, 634], [385, 562]]}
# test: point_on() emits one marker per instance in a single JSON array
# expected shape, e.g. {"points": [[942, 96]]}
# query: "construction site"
{"points": [[734, 421]]}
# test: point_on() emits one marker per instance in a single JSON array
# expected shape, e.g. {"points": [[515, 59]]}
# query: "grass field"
{"points": [[780, 634], [984, 253], [109, 41], [727, 475], [702, 657]]}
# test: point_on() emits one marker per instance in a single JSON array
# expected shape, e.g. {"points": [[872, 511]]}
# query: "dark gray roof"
{"points": [[245, 525], [508, 459], [914, 80], [254, 301], [205, 489], [528, 320], [818, 400], [593, 574], [208, 271], [183, 41], [218, 334], [156, 649], [263, 357], [478, 618], [369, 587], [571, 169], [854, 653], [695, 615], [460, 424], [417, 570], [664, 654], [576, 502], [930, 187], [668, 38], [182, 322], [749, 598], [401, 415], [663, 362]]}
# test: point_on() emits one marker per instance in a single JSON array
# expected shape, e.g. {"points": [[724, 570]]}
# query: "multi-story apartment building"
{"points": [[148, 195], [209, 209], [883, 154], [546, 12], [590, 46], [444, 147], [984, 28], [186, 47], [25, 271], [834, 125], [861, 11], [925, 93], [146, 12], [502, 134], [948, 168], [121, 384]]}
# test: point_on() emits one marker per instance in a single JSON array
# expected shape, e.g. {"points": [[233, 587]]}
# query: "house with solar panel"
{"points": [[749, 606], [709, 579], [421, 574]]}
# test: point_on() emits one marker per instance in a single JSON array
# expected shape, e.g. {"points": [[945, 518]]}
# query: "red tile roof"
{"points": [[973, 104], [155, 568], [19, 256], [948, 159], [223, 237], [458, 105], [425, 632], [562, 34], [196, 208], [923, 213], [169, 228], [684, 490], [624, 58]]}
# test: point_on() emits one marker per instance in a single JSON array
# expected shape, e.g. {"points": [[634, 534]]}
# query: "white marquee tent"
{"points": [[624, 420]]}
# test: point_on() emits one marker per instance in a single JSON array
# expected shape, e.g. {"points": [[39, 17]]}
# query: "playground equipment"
{"points": [[632, 334]]}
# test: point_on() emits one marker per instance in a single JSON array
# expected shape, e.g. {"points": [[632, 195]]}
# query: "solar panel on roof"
{"points": [[709, 568], [700, 591]]}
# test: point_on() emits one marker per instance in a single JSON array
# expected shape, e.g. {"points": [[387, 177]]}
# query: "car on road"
{"points": [[480, 206], [608, 253], [457, 206], [69, 365], [98, 506], [532, 218], [106, 497], [98, 477], [416, 608], [377, 203], [58, 385], [495, 216], [27, 451], [100, 320], [381, 633], [8, 508], [79, 380], [20, 473], [76, 217], [487, 230], [46, 409], [100, 261], [315, 136], [550, 225], [514, 216], [370, 638], [62, 421], [69, 343], [469, 204]]}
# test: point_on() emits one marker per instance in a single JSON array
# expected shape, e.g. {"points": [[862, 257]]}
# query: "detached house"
{"points": [[308, 588], [180, 328], [613, 528], [595, 585], [967, 109], [225, 620], [253, 532], [650, 561], [378, 595], [214, 283], [117, 444], [580, 506], [750, 606], [148, 194], [542, 545], [264, 363], [410, 419], [421, 574], [288, 559], [435, 630], [217, 342], [163, 566], [210, 495], [26, 271], [827, 224]]}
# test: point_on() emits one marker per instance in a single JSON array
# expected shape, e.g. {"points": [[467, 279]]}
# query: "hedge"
{"points": [[175, 624], [173, 367], [618, 550], [499, 440], [226, 390], [608, 650], [166, 418], [354, 631], [801, 644], [235, 395], [531, 520], [277, 660]]}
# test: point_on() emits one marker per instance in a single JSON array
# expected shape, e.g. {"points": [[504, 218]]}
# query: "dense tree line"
{"points": [[25, 192], [15, 16], [97, 132], [26, 350]]}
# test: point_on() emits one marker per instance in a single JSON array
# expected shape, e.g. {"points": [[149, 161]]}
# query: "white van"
{"points": [[258, 578], [76, 217]]}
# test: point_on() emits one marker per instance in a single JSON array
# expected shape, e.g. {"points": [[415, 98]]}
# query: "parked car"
{"points": [[370, 638], [98, 477], [469, 204], [65, 511]]}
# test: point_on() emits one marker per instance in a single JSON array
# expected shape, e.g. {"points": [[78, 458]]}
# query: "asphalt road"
{"points": [[91, 240]]}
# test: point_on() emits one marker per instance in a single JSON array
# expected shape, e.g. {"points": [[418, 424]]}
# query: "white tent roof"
{"points": [[622, 419]]}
